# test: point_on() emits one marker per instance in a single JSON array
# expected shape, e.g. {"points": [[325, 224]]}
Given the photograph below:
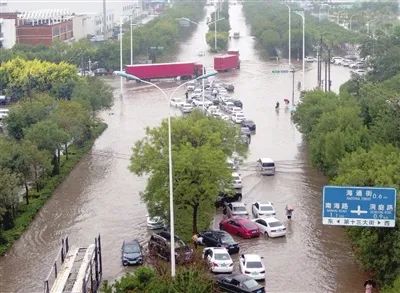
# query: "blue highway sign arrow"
{"points": [[359, 206]]}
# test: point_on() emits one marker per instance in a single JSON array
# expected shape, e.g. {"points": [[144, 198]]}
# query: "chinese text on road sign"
{"points": [[359, 206]]}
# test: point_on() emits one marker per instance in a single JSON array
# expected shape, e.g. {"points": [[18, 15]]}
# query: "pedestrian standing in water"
{"points": [[289, 211]]}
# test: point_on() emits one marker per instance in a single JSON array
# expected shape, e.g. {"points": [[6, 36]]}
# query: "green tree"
{"points": [[378, 249], [9, 185], [200, 147], [48, 136], [94, 94]]}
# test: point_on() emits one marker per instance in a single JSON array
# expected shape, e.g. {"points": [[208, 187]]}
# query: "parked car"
{"points": [[155, 223], [336, 60], [239, 283], [249, 124], [266, 166], [237, 208], [237, 103], [240, 226], [309, 59], [238, 117], [100, 71], [186, 108], [236, 180], [227, 197], [270, 226], [245, 131], [131, 253], [218, 259], [159, 244], [218, 238], [359, 71], [177, 102], [252, 266], [263, 209], [4, 100], [228, 86]]}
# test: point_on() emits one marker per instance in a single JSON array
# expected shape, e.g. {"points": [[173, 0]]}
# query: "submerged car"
{"points": [[242, 227], [159, 244], [131, 253], [263, 209], [235, 209], [218, 259], [252, 266], [239, 283], [218, 238], [154, 223], [270, 226]]}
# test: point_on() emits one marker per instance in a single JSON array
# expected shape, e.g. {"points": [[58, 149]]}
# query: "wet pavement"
{"points": [[102, 196]]}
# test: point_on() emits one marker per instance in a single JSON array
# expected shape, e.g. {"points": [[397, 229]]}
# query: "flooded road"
{"points": [[102, 196]]}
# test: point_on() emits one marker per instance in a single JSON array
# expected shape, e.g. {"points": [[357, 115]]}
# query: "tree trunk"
{"points": [[58, 156], [195, 211], [36, 178], [26, 192], [56, 166], [66, 151]]}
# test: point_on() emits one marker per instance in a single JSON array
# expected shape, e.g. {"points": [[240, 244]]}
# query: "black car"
{"points": [[100, 71], [218, 238], [237, 103], [226, 197], [229, 87], [131, 253], [159, 244], [239, 283], [249, 124]]}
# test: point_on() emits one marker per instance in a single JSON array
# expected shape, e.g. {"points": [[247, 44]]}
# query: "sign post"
{"points": [[359, 206]]}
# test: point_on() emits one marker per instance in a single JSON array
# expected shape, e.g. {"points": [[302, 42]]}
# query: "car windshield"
{"points": [[239, 209], [227, 239], [268, 164], [275, 224], [266, 208], [222, 256], [253, 265], [251, 283], [131, 248]]}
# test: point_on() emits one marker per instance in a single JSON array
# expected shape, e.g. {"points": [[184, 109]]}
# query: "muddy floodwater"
{"points": [[102, 196]]}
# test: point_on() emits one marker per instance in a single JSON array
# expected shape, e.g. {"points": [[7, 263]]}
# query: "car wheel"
{"points": [[266, 233], [124, 263], [220, 227]]}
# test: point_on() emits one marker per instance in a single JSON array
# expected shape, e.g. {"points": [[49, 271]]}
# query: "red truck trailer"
{"points": [[226, 62], [185, 70]]}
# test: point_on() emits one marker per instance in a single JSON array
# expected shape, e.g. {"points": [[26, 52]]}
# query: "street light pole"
{"points": [[290, 50], [171, 191], [301, 13], [120, 52], [131, 42]]}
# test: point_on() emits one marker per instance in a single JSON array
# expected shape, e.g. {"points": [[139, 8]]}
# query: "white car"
{"points": [[177, 102], [154, 223], [263, 209], [252, 266], [236, 180], [218, 259], [186, 108], [236, 208], [360, 71], [309, 59], [238, 118], [270, 226], [235, 110], [225, 117]]}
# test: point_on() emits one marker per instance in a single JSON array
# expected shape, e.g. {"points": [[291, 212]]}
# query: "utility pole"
{"points": [[104, 20], [329, 70], [292, 71]]}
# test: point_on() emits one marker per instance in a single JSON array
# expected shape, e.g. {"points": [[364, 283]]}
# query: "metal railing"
{"points": [[59, 260]]}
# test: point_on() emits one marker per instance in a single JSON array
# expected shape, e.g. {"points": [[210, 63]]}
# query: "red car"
{"points": [[240, 226]]}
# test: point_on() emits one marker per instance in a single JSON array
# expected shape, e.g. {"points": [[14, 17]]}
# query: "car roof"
{"points": [[235, 174], [252, 257], [237, 204], [217, 249], [270, 219], [266, 160], [266, 203], [131, 242]]}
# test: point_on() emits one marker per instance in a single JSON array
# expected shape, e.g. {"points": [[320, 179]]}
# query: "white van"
{"points": [[266, 166]]}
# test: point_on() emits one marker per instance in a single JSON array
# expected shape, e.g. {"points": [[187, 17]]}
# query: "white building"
{"points": [[7, 32]]}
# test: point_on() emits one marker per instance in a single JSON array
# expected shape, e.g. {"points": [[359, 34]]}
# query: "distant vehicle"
{"points": [[238, 117], [190, 86], [201, 53], [4, 100], [218, 259], [224, 198], [218, 238], [131, 253], [177, 102], [237, 103], [346, 62], [249, 124], [159, 244], [270, 226], [236, 180], [266, 166], [184, 70], [154, 223], [235, 209], [240, 226], [186, 108], [226, 62], [228, 86], [245, 131], [236, 35], [359, 71], [309, 59], [263, 209], [252, 266], [100, 71], [239, 283]]}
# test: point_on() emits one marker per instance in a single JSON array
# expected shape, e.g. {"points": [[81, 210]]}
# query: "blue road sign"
{"points": [[359, 206]]}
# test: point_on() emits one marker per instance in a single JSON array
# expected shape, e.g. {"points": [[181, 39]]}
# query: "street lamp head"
{"points": [[127, 76]]}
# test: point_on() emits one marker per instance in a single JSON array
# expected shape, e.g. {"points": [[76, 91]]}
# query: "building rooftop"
{"points": [[44, 16]]}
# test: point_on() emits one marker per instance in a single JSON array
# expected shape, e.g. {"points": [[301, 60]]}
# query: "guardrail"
{"points": [[59, 260]]}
